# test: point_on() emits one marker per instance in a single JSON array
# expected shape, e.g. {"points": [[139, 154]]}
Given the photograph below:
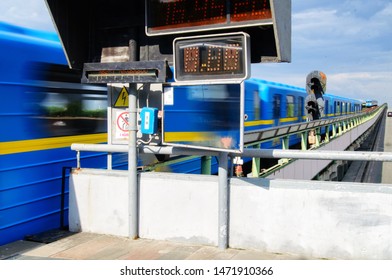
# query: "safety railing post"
{"points": [[326, 134], [206, 165], [318, 137], [256, 164], [304, 141], [285, 142]]}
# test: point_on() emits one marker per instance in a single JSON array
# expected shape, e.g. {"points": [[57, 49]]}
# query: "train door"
{"points": [[256, 105], [337, 108], [276, 109], [326, 108], [290, 106], [300, 108]]}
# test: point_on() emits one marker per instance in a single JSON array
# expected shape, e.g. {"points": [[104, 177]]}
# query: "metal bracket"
{"points": [[126, 72]]}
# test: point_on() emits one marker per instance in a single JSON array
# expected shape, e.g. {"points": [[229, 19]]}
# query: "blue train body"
{"points": [[371, 103], [34, 143], [270, 104], [266, 104], [206, 115]]}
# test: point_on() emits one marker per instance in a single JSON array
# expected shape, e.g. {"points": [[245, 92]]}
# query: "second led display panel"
{"points": [[222, 57]]}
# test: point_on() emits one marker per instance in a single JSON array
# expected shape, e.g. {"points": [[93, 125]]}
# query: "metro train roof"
{"points": [[286, 86], [275, 84], [22, 33]]}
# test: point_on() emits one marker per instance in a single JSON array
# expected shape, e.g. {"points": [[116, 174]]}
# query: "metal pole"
{"points": [[223, 201], [206, 165], [132, 165], [256, 164], [109, 123]]}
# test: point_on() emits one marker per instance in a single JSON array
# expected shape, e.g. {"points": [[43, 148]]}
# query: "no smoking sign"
{"points": [[122, 124]]}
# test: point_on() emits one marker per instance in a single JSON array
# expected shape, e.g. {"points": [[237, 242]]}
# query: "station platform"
{"points": [[90, 246], [341, 212]]}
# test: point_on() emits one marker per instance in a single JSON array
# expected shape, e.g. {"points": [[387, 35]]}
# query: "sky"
{"points": [[349, 40]]}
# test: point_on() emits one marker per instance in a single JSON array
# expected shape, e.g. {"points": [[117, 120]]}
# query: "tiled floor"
{"points": [[89, 246]]}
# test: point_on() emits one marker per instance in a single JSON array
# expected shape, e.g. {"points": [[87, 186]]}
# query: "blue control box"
{"points": [[149, 120]]}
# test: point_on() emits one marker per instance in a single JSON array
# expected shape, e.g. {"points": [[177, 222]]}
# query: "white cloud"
{"points": [[363, 85], [32, 14]]}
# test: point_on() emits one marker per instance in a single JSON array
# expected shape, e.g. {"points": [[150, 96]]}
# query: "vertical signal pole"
{"points": [[133, 188], [223, 201], [132, 165]]}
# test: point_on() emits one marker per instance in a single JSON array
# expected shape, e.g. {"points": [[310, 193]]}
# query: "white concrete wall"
{"points": [[312, 219], [308, 218], [98, 202]]}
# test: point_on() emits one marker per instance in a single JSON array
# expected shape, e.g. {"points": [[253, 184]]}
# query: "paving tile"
{"points": [[120, 249], [151, 251], [204, 253], [16, 248], [179, 252], [74, 240], [227, 254], [87, 249], [91, 246], [45, 251]]}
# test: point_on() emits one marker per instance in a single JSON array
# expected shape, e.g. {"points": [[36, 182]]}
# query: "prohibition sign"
{"points": [[123, 121]]}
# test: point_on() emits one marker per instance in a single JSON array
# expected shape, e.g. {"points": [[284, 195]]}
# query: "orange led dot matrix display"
{"points": [[212, 57], [176, 16]]}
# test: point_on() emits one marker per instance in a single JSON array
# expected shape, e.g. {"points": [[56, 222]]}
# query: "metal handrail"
{"points": [[254, 152], [263, 135]]}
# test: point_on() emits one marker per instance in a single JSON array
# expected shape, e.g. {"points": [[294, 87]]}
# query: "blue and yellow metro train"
{"points": [[215, 111], [44, 109], [272, 104], [369, 103]]}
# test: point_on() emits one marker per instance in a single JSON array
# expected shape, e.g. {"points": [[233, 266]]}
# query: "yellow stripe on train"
{"points": [[269, 122], [259, 122], [22, 146], [188, 136]]}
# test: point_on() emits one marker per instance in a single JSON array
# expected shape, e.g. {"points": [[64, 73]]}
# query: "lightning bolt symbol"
{"points": [[124, 97]]}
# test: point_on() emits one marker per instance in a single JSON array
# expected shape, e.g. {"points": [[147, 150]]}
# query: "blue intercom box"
{"points": [[149, 120]]}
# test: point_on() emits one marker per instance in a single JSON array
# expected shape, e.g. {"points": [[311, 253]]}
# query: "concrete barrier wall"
{"points": [[308, 218]]}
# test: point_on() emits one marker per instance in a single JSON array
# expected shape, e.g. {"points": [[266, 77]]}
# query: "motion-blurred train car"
{"points": [[371, 103], [43, 110], [266, 104]]}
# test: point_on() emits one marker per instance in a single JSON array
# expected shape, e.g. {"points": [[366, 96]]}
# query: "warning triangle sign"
{"points": [[122, 99]]}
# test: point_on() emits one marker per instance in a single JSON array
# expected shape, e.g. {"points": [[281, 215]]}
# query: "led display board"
{"points": [[179, 16], [103, 31], [204, 116], [215, 57]]}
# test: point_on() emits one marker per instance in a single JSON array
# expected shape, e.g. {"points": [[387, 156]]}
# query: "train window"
{"points": [[71, 113], [290, 106], [276, 106], [300, 110], [337, 108], [326, 107], [62, 105], [256, 104]]}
